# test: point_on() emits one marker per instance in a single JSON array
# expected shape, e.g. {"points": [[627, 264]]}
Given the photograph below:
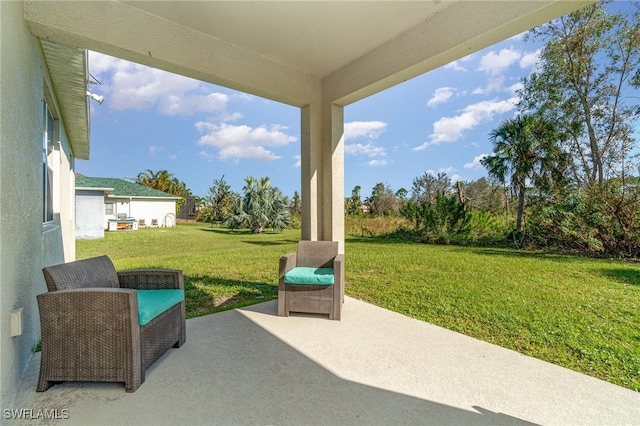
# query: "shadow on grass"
{"points": [[623, 275], [351, 239], [271, 243], [563, 258], [208, 295], [483, 250], [227, 231]]}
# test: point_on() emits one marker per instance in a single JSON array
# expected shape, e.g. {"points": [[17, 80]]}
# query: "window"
{"points": [[108, 209], [47, 171]]}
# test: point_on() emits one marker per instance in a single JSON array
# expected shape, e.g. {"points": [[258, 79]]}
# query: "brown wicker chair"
{"points": [[320, 297], [90, 325]]}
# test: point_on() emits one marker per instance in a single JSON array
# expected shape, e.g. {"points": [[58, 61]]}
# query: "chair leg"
{"points": [[335, 314], [43, 385], [282, 304]]}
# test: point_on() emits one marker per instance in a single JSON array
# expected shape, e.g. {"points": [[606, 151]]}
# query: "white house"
{"points": [[317, 56], [102, 202]]}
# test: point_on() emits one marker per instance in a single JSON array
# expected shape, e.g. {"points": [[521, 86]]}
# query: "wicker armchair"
{"points": [[323, 291], [90, 323]]}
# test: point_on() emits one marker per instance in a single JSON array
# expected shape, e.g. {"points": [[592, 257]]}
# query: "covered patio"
{"points": [[249, 366]]}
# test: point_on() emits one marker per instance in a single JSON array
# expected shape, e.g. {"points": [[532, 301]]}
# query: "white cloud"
{"points": [[515, 87], [494, 84], [237, 142], [455, 65], [207, 156], [154, 148], [475, 164], [127, 85], [450, 129], [368, 150], [441, 95], [530, 59], [182, 104], [244, 96], [298, 162], [495, 63], [456, 178], [367, 129]]}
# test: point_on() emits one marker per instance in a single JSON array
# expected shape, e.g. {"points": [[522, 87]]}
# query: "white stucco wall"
{"points": [[148, 209], [25, 244], [89, 214], [163, 211]]}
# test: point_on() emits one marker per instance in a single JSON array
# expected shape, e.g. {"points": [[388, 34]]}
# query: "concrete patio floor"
{"points": [[249, 366]]}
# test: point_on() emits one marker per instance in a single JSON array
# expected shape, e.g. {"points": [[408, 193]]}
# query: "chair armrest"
{"points": [[338, 267], [90, 334], [151, 279], [78, 318], [338, 274], [287, 263]]}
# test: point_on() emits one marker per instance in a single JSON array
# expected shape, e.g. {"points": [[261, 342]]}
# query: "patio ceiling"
{"points": [[286, 50], [315, 37]]}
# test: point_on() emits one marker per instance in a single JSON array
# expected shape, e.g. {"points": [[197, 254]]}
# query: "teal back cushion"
{"points": [[307, 275], [152, 303]]}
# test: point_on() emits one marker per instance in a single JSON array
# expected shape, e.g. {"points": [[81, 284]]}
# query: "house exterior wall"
{"points": [[143, 209], [26, 244], [89, 215], [148, 209], [92, 220]]}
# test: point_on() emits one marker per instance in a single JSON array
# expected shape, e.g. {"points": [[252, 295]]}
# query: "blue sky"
{"points": [[437, 122]]}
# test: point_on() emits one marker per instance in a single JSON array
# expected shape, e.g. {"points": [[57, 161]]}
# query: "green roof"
{"points": [[121, 187]]}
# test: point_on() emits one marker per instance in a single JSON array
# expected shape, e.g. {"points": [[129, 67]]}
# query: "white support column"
{"points": [[333, 174], [310, 158], [322, 157]]}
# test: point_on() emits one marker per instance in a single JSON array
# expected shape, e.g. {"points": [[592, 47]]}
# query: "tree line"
{"points": [[261, 205], [564, 172]]}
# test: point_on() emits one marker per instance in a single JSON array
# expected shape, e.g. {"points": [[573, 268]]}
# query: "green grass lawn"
{"points": [[583, 314]]}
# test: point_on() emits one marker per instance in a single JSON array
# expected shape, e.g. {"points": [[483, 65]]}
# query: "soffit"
{"points": [[68, 71]]}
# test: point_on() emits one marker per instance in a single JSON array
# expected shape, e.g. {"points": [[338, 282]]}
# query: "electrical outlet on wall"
{"points": [[16, 322]]}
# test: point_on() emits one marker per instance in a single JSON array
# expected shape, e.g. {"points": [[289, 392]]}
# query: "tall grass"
{"points": [[580, 313]]}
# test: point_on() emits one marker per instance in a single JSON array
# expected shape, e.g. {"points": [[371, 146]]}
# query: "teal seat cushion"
{"points": [[306, 275], [152, 303]]}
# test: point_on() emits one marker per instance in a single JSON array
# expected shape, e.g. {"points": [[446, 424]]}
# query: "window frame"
{"points": [[49, 141]]}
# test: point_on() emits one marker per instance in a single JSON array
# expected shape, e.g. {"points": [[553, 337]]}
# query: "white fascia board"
{"points": [[93, 188], [133, 197]]}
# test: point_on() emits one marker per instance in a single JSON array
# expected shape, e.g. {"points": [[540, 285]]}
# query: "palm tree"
{"points": [[160, 180], [525, 149], [261, 206], [164, 181]]}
